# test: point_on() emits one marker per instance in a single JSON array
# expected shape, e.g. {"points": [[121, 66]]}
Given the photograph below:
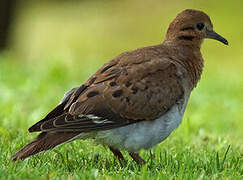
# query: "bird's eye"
{"points": [[200, 26]]}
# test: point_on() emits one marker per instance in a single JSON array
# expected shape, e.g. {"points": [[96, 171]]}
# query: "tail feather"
{"points": [[43, 142]]}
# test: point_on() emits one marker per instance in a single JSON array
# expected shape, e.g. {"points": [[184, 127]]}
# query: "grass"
{"points": [[34, 77]]}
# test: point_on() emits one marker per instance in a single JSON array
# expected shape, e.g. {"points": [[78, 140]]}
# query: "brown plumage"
{"points": [[135, 100]]}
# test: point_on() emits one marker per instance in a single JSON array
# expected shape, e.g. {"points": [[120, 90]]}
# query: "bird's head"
{"points": [[191, 27]]}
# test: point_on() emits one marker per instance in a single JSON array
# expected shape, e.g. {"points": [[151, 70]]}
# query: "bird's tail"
{"points": [[43, 142]]}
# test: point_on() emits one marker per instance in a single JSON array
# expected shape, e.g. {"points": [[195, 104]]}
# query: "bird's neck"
{"points": [[194, 65], [189, 57]]}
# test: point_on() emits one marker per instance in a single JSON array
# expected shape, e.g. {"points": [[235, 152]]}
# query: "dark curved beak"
{"points": [[216, 36]]}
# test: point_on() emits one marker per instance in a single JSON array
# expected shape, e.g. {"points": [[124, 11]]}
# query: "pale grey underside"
{"points": [[141, 135], [145, 134]]}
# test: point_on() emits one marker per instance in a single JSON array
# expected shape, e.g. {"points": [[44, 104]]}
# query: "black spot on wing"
{"points": [[134, 89], [128, 84], [113, 83], [117, 93], [92, 94], [128, 100]]}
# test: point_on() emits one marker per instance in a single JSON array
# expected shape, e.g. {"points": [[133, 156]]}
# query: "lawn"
{"points": [[207, 145]]}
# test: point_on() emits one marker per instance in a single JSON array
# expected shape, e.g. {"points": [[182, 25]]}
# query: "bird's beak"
{"points": [[213, 35]]}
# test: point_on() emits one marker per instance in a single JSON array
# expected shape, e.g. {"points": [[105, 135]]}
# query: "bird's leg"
{"points": [[118, 154], [137, 158]]}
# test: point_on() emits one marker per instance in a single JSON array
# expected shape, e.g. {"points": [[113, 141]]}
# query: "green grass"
{"points": [[34, 76]]}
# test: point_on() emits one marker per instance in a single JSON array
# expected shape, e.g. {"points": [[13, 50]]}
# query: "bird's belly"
{"points": [[144, 134]]}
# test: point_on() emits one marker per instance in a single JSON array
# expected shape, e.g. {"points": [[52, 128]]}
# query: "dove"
{"points": [[134, 101]]}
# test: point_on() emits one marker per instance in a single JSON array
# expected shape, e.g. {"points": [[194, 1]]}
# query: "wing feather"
{"points": [[128, 89]]}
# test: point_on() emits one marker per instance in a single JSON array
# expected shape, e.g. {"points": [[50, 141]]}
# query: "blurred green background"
{"points": [[56, 45]]}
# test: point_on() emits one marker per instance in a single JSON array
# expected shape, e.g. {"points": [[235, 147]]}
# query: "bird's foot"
{"points": [[137, 158], [118, 155]]}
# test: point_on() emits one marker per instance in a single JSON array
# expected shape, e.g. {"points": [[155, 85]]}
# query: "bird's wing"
{"points": [[132, 87]]}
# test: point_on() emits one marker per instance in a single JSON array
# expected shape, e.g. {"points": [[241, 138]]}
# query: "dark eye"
{"points": [[200, 26]]}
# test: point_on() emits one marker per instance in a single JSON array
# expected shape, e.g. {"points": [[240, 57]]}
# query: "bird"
{"points": [[134, 101]]}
